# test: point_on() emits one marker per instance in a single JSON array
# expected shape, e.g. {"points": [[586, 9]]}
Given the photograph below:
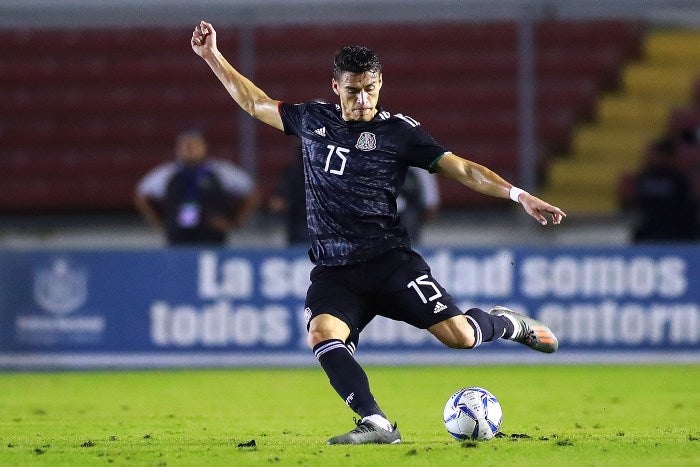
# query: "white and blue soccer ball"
{"points": [[472, 414]]}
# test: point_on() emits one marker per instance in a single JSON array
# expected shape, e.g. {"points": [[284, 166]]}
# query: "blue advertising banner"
{"points": [[191, 307]]}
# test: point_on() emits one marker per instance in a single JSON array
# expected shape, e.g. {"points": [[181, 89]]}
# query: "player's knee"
{"points": [[325, 327], [315, 337]]}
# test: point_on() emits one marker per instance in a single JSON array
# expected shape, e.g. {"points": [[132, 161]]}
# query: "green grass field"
{"points": [[554, 415]]}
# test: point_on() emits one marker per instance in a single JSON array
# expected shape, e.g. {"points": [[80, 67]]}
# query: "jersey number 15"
{"points": [[339, 153]]}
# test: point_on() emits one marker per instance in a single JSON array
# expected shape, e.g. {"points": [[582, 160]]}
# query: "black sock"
{"points": [[488, 327], [347, 377]]}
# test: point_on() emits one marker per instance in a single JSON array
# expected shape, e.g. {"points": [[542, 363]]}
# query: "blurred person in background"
{"points": [[355, 157], [418, 202], [289, 199], [664, 197], [195, 200]]}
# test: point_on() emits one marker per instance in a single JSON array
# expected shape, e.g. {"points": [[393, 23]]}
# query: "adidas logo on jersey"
{"points": [[439, 307], [320, 131]]}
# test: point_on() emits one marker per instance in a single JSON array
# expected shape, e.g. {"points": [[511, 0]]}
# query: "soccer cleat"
{"points": [[367, 432], [529, 331]]}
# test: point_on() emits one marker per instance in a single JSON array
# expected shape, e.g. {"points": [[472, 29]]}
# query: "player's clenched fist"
{"points": [[203, 38]]}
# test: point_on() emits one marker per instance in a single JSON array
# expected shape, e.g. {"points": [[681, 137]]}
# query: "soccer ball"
{"points": [[472, 413]]}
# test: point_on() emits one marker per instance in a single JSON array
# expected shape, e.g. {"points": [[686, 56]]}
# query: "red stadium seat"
{"points": [[689, 158], [103, 104], [600, 66], [599, 33], [681, 120]]}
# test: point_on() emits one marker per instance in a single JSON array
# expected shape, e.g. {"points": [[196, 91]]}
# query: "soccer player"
{"points": [[356, 155]]}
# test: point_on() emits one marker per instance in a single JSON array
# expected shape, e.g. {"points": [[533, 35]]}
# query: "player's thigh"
{"points": [[415, 296], [417, 309], [330, 295]]}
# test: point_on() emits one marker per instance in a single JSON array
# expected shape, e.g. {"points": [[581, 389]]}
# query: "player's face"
{"points": [[359, 94]]}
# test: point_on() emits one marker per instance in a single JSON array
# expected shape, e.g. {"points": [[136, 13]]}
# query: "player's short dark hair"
{"points": [[356, 59]]}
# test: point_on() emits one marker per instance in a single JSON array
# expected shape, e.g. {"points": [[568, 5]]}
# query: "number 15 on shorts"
{"points": [[427, 285]]}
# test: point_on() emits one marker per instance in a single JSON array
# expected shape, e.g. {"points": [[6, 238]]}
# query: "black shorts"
{"points": [[397, 285]]}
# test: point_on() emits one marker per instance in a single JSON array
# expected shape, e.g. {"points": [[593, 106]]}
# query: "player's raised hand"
{"points": [[538, 209], [203, 39]]}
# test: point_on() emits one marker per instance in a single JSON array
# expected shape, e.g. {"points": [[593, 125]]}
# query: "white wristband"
{"points": [[515, 193]]}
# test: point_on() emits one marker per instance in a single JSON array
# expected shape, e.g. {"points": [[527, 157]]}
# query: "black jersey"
{"points": [[353, 172]]}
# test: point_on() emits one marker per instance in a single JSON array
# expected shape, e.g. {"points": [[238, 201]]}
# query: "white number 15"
{"points": [[340, 152], [422, 280]]}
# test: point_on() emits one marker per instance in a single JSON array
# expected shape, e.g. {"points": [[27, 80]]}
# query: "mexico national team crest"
{"points": [[366, 142], [61, 288]]}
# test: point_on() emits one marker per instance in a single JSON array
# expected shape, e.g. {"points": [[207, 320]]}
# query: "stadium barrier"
{"points": [[228, 307]]}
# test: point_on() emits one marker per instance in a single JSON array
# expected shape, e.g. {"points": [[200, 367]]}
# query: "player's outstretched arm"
{"points": [[481, 179], [251, 98]]}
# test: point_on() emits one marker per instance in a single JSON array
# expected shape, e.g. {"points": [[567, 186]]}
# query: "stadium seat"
{"points": [[577, 95], [689, 158], [108, 102], [683, 120], [419, 37], [600, 66], [595, 33]]}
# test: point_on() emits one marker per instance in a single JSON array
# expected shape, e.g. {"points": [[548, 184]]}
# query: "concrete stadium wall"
{"points": [[172, 12]]}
